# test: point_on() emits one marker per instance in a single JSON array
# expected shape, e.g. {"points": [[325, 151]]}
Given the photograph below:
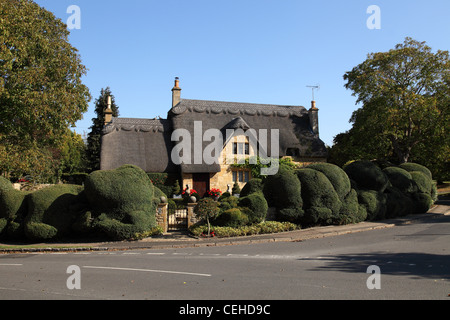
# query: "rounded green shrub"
{"points": [[400, 179], [254, 185], [228, 203], [257, 205], [36, 231], [12, 204], [337, 177], [350, 211], [5, 184], [284, 189], [3, 224], [422, 203], [409, 166], [123, 201], [398, 203], [271, 183], [422, 182], [231, 218], [293, 215], [320, 201], [367, 175], [374, 203], [120, 191], [52, 211]]}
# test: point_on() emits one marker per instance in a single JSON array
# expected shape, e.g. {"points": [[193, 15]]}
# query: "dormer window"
{"points": [[241, 148]]}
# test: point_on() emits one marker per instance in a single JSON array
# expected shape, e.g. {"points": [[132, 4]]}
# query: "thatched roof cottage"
{"points": [[158, 145]]}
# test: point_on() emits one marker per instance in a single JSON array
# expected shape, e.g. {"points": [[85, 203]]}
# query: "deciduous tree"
{"points": [[405, 102], [41, 89]]}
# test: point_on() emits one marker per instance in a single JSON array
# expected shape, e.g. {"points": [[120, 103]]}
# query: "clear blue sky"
{"points": [[260, 51]]}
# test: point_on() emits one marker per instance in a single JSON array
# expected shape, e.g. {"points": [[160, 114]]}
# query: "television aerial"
{"points": [[317, 87]]}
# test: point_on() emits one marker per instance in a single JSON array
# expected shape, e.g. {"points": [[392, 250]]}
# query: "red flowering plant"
{"points": [[214, 192], [192, 192]]}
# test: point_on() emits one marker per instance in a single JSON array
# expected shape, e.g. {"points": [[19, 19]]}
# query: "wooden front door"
{"points": [[201, 183]]}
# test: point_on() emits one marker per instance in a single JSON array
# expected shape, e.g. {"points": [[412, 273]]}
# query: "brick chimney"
{"points": [[176, 93], [108, 112], [314, 118]]}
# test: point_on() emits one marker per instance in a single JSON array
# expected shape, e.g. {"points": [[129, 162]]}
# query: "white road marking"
{"points": [[11, 264], [150, 270]]}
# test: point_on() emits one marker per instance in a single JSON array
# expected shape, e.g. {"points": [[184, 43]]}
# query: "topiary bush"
{"points": [[367, 175], [13, 209], [231, 218], [398, 203], [228, 203], [423, 197], [254, 185], [122, 201], [52, 211], [351, 211], [257, 205], [336, 176], [422, 182], [410, 167], [422, 202], [5, 184], [374, 203], [284, 190], [320, 201], [400, 179]]}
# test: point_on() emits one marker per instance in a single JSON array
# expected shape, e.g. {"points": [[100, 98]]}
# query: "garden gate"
{"points": [[177, 219]]}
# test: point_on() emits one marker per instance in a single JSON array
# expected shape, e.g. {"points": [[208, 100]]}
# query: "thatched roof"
{"points": [[142, 142], [295, 131], [147, 143]]}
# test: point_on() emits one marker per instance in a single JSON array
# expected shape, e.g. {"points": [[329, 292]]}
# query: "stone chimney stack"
{"points": [[176, 93], [108, 112], [314, 118]]}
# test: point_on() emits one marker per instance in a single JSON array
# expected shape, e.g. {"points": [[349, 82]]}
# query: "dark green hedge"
{"points": [[367, 175], [283, 189], [254, 185], [400, 179], [410, 167], [13, 209], [257, 205], [374, 203], [320, 201], [336, 176], [231, 218], [123, 200], [52, 211]]}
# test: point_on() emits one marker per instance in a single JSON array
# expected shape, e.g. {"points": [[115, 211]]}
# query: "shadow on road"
{"points": [[416, 265]]}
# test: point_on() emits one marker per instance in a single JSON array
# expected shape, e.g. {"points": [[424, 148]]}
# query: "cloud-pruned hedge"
{"points": [[327, 194], [117, 203]]}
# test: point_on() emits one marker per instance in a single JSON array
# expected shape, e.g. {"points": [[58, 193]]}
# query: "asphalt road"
{"points": [[413, 262]]}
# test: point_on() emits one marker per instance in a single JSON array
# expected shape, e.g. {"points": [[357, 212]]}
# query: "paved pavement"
{"points": [[179, 240]]}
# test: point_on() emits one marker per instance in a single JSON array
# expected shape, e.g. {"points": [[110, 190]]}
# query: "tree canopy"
{"points": [[405, 97], [41, 89]]}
